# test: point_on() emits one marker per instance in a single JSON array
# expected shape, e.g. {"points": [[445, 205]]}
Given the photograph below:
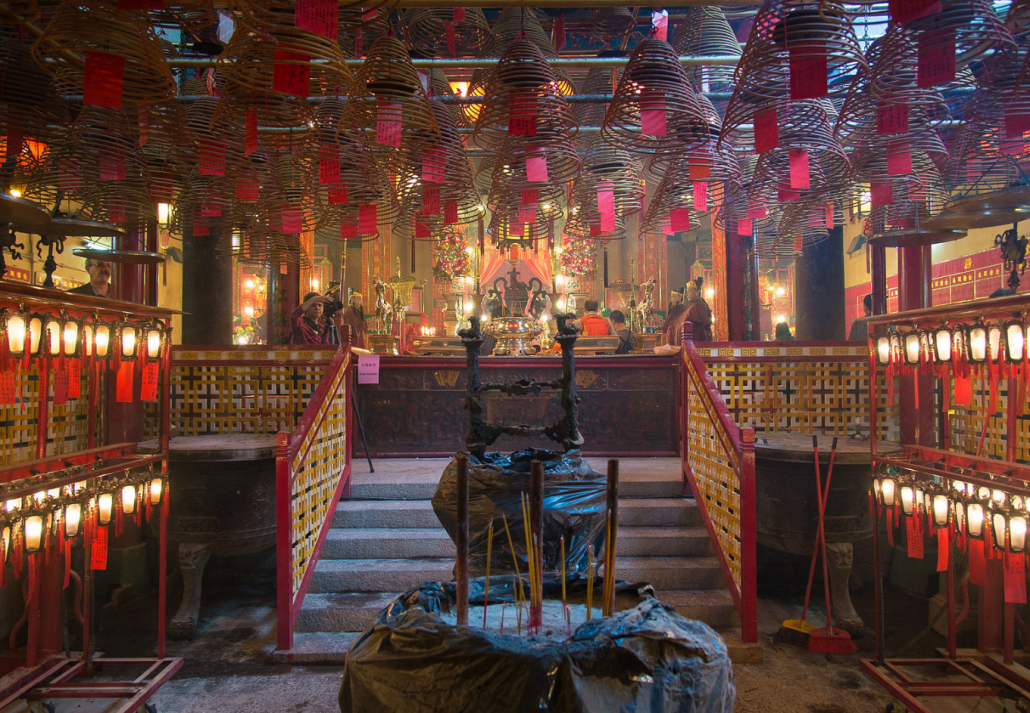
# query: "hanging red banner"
{"points": [[148, 388], [102, 80], [126, 373]]}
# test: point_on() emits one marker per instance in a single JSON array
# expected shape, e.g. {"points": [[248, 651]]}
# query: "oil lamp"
{"points": [[33, 533], [1015, 341], [72, 518], [104, 505]]}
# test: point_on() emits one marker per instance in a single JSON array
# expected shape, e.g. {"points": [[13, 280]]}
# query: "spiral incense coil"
{"points": [[522, 89], [20, 12], [800, 227], [523, 23], [476, 88], [388, 84], [23, 83], [654, 84], [971, 25], [612, 24], [1018, 19], [599, 80], [208, 201], [604, 164], [439, 86], [705, 32], [163, 135], [98, 26], [188, 16], [673, 193], [808, 32], [369, 24], [427, 32], [483, 178], [509, 195], [916, 197], [585, 224]]}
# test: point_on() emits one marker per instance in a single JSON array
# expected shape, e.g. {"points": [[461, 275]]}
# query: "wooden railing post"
{"points": [[748, 538], [283, 542], [688, 342]]}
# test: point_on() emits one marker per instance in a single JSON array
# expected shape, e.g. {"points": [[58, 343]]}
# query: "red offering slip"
{"points": [[936, 63], [808, 71], [899, 159], [434, 165], [799, 177], [290, 73], [320, 17], [103, 79], [907, 10], [450, 213], [291, 220], [388, 123], [744, 227], [430, 201], [767, 131], [338, 195], [536, 166], [328, 164], [652, 113], [700, 196], [679, 219], [367, 219], [881, 193], [892, 119], [606, 205]]}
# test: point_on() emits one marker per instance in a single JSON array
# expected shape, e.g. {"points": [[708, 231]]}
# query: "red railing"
{"points": [[313, 469], [719, 467]]}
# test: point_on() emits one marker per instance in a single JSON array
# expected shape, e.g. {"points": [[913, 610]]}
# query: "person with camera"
{"points": [[306, 324]]}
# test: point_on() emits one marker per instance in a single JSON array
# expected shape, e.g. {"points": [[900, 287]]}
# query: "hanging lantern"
{"points": [[1017, 533], [104, 505], [72, 333], [72, 519], [156, 491], [994, 341], [942, 344], [975, 520], [978, 344], [87, 339], [12, 505], [959, 344], [912, 347], [925, 501], [17, 327], [129, 499], [33, 533], [926, 345], [129, 341], [999, 526], [35, 334], [53, 334], [888, 486], [998, 498], [155, 338], [883, 350], [960, 518], [1015, 342], [941, 508], [896, 347], [102, 340], [876, 489], [908, 495]]}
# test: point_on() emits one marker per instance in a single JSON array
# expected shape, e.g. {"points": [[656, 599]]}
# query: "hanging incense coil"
{"points": [[523, 113], [972, 25], [915, 197], [439, 86], [612, 24], [523, 23], [655, 85], [605, 166], [387, 90], [188, 16], [800, 227], [477, 89], [599, 80], [512, 195], [705, 32], [20, 12], [672, 193], [427, 32], [23, 83], [99, 26]]}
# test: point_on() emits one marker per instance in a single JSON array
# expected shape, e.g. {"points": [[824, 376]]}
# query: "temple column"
{"points": [[207, 291], [819, 290], [915, 270], [878, 286]]}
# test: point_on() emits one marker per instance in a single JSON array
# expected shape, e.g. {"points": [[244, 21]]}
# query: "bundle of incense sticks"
{"points": [[520, 597], [536, 588]]}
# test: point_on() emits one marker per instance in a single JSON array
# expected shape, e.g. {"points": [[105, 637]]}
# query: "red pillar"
{"points": [[878, 258], [736, 269], [151, 270], [129, 284], [917, 414], [51, 580], [125, 420]]}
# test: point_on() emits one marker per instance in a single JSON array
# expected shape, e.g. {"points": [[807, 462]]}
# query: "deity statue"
{"points": [[384, 311], [646, 306]]}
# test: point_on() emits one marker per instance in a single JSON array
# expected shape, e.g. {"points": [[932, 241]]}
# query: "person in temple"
{"points": [[354, 317], [99, 284], [698, 313], [672, 329], [592, 324]]}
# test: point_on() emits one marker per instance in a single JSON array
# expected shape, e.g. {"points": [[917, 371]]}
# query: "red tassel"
{"points": [[67, 562], [17, 553]]}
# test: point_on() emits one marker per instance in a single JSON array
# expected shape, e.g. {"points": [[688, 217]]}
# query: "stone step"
{"points": [[663, 542], [378, 575], [370, 543], [640, 512], [341, 612], [671, 573], [714, 607]]}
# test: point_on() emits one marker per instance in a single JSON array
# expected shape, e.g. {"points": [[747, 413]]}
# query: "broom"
{"points": [[796, 631], [827, 640]]}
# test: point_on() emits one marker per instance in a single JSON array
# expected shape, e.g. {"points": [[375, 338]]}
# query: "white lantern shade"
{"points": [[103, 341], [883, 350], [72, 519], [975, 519], [977, 344], [33, 533], [912, 348], [888, 486], [907, 499], [940, 510], [942, 339], [1017, 533], [16, 329], [1014, 342], [105, 504], [128, 499]]}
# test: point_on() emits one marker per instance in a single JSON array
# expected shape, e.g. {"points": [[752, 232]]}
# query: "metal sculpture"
{"points": [[1013, 253]]}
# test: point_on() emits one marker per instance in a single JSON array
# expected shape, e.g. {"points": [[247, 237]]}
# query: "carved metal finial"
{"points": [[1013, 252]]}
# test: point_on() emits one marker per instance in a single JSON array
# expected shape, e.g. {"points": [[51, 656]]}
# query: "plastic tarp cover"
{"points": [[574, 508], [647, 659]]}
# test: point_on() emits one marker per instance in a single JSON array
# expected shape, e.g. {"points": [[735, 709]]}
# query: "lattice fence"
{"points": [[966, 422], [317, 469], [808, 389]]}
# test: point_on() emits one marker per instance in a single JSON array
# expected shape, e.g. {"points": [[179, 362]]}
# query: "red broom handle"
{"points": [[818, 537], [822, 515]]}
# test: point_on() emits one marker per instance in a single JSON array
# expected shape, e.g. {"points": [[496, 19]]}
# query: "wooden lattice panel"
{"points": [[966, 423], [317, 468], [242, 391], [715, 469], [810, 389]]}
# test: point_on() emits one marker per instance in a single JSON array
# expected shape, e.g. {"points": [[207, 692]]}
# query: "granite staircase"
{"points": [[386, 539]]}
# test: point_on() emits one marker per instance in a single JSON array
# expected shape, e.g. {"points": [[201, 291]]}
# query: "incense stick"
{"points": [[486, 587], [590, 580], [520, 597], [563, 573]]}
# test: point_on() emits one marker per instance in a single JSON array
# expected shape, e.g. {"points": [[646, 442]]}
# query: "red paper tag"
{"points": [[527, 214], [209, 210], [700, 167], [430, 201], [784, 194], [200, 230], [936, 63], [522, 114], [328, 165], [98, 549], [367, 219], [1016, 125], [758, 213], [448, 29], [767, 131], [389, 117], [450, 213], [744, 227], [660, 23], [530, 196], [290, 77], [116, 210], [679, 219], [915, 537], [908, 10], [799, 169], [829, 216], [434, 165], [881, 193], [320, 17], [808, 72], [606, 205], [292, 222], [161, 187], [250, 132], [102, 82], [892, 119], [124, 389], [60, 386], [963, 390], [422, 231], [652, 113], [212, 157], [1015, 578], [348, 231], [111, 167], [700, 196], [247, 189], [8, 386], [143, 121], [977, 563], [558, 32], [899, 159], [516, 229], [16, 137], [74, 378], [942, 550], [338, 195], [536, 166]]}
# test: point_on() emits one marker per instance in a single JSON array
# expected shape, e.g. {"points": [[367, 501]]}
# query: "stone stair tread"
{"points": [[662, 532], [687, 597], [630, 504], [666, 562], [434, 564], [321, 647], [391, 533]]}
